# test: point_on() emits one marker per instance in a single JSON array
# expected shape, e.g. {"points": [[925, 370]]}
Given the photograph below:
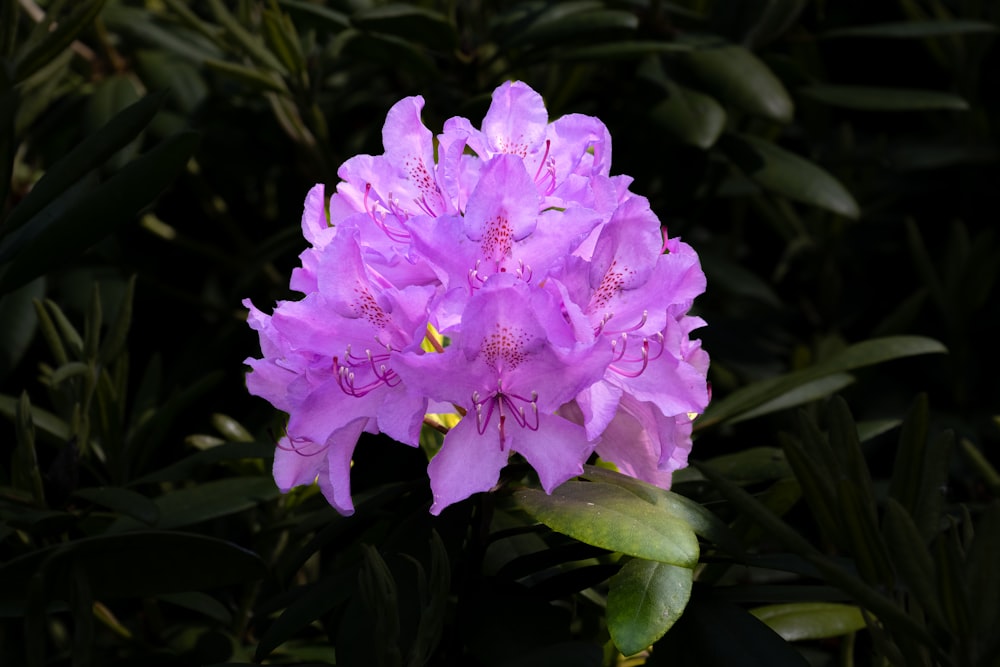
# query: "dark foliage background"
{"points": [[834, 163]]}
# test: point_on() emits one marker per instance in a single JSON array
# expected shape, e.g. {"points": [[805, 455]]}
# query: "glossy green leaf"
{"points": [[231, 429], [801, 621], [870, 98], [817, 485], [702, 521], [25, 474], [872, 428], [689, 116], [9, 17], [859, 355], [38, 54], [194, 46], [78, 225], [211, 500], [114, 339], [734, 75], [613, 518], [806, 393], [787, 174], [88, 154], [134, 565], [914, 29], [645, 599], [284, 41], [123, 501], [714, 631]]}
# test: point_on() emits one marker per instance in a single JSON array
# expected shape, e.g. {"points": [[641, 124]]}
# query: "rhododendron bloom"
{"points": [[502, 275]]}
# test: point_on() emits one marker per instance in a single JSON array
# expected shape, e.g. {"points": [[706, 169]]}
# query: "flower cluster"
{"points": [[499, 274]]}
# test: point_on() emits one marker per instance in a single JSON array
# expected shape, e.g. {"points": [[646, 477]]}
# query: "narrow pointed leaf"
{"points": [[41, 53], [645, 599], [911, 558], [914, 29], [801, 621], [100, 211], [690, 117], [784, 173], [123, 501], [613, 518], [871, 98], [859, 355], [736, 76]]}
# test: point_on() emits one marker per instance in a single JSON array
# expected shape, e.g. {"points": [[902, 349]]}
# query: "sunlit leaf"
{"points": [[615, 519]]}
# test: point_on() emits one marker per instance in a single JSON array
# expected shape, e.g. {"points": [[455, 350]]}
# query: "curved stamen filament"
{"points": [[619, 355], [378, 217], [292, 446], [506, 405], [380, 373]]}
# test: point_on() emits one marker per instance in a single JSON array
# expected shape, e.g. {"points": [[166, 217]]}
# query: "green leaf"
{"points": [[913, 29], [134, 565], [871, 98], [184, 468], [211, 500], [911, 558], [752, 465], [887, 611], [689, 116], [162, 70], [123, 501], [87, 155], [415, 24], [311, 603], [806, 393], [613, 518], [252, 45], [549, 30], [702, 521], [75, 226], [619, 50], [19, 323], [256, 78], [736, 76], [859, 355], [645, 599], [787, 174], [716, 632], [318, 16], [37, 55], [801, 621], [43, 420]]}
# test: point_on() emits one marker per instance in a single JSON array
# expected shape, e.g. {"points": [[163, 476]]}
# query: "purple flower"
{"points": [[500, 274]]}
